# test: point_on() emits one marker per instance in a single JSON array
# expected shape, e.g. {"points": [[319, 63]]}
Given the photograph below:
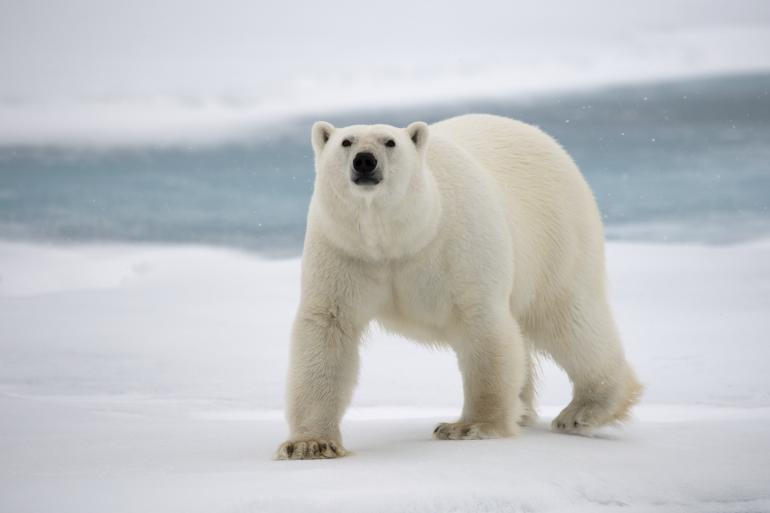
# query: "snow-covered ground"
{"points": [[149, 379]]}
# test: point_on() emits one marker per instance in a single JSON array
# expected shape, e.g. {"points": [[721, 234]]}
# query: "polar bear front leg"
{"points": [[322, 373], [492, 361]]}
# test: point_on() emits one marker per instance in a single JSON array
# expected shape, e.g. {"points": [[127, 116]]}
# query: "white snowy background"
{"points": [[175, 72], [149, 378]]}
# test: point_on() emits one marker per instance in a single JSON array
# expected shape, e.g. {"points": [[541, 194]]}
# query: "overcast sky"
{"points": [[279, 58]]}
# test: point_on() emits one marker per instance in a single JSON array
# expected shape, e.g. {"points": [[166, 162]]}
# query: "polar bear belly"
{"points": [[418, 304]]}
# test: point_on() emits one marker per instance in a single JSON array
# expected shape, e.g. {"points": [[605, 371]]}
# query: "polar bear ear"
{"points": [[320, 134], [418, 133]]}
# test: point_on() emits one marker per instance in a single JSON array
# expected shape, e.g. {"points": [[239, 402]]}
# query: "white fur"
{"points": [[483, 236]]}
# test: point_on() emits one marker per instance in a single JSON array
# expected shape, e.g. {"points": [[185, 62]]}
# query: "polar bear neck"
{"points": [[381, 230]]}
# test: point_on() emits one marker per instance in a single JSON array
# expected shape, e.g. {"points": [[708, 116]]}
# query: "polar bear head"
{"points": [[368, 163], [375, 197]]}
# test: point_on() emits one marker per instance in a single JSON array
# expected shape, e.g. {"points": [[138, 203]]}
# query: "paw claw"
{"points": [[470, 431], [309, 450]]}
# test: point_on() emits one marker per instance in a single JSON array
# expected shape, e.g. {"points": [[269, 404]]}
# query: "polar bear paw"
{"points": [[528, 418], [471, 431], [313, 449], [580, 419]]}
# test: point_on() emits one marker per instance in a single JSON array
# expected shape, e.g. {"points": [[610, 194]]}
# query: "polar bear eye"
{"points": [[390, 143], [346, 143]]}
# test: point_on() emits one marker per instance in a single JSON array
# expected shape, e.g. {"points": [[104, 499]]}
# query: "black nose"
{"points": [[364, 163]]}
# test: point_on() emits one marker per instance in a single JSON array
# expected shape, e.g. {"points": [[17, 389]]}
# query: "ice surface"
{"points": [[150, 378]]}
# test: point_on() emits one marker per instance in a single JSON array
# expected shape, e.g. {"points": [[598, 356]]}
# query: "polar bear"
{"points": [[478, 233]]}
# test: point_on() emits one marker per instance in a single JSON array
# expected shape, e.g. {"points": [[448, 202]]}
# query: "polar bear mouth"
{"points": [[360, 179]]}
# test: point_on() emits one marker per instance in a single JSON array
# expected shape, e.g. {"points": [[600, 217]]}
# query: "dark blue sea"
{"points": [[683, 161]]}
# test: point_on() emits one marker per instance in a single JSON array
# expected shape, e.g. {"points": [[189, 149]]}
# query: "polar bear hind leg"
{"points": [[529, 390], [583, 340]]}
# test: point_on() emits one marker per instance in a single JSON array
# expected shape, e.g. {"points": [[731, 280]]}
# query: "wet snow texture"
{"points": [[144, 379]]}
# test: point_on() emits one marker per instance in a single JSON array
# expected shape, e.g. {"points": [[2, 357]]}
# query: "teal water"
{"points": [[668, 162]]}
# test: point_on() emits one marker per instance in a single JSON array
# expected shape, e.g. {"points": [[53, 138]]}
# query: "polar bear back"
{"points": [[553, 219]]}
